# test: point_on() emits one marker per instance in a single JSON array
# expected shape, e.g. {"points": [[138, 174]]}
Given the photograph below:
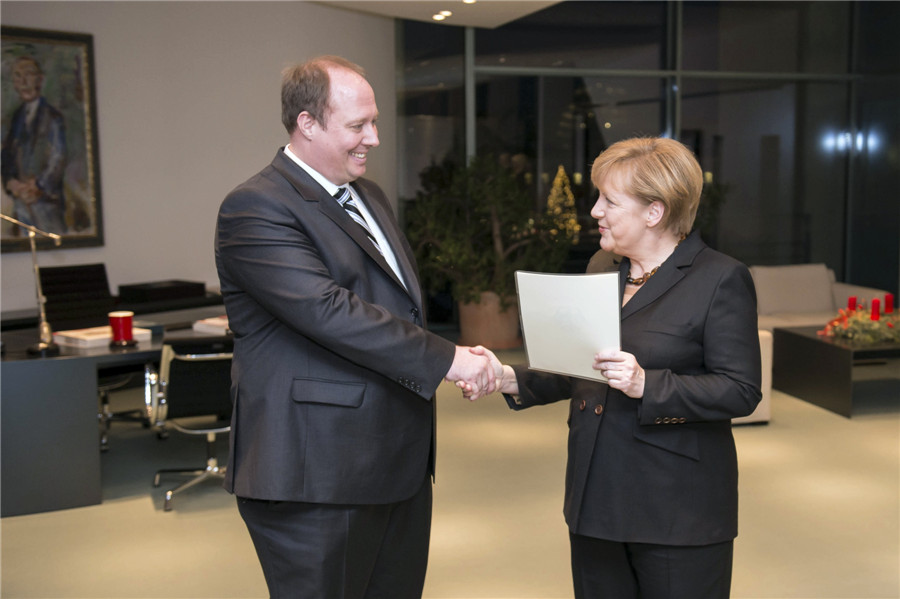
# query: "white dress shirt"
{"points": [[331, 188]]}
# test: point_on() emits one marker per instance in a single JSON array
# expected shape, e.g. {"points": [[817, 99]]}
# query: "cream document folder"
{"points": [[566, 319]]}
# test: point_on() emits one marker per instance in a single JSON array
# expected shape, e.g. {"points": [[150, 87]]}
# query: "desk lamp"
{"points": [[45, 347]]}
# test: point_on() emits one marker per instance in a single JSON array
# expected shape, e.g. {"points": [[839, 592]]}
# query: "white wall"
{"points": [[188, 107]]}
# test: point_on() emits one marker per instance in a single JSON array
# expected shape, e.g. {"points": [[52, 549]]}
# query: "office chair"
{"points": [[78, 297], [191, 392]]}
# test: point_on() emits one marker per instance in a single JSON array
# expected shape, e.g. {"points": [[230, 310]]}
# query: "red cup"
{"points": [[120, 323]]}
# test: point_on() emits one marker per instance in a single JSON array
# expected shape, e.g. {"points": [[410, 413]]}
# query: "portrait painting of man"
{"points": [[49, 162]]}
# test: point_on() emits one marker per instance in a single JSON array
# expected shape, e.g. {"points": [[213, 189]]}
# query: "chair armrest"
{"points": [[154, 402]]}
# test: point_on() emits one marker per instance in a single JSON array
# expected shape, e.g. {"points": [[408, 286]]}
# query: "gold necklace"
{"points": [[643, 278]]}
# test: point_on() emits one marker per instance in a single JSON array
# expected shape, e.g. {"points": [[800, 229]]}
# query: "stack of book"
{"points": [[217, 325], [95, 336]]}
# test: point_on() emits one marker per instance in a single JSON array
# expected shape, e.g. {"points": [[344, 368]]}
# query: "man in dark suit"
{"points": [[332, 441], [34, 152]]}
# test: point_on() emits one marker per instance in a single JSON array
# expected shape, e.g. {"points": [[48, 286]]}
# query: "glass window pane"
{"points": [[879, 44], [875, 212], [611, 35], [777, 151], [541, 123], [430, 99], [778, 37]]}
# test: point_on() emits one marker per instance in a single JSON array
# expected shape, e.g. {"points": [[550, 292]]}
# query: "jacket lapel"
{"points": [[669, 274], [311, 191], [398, 244]]}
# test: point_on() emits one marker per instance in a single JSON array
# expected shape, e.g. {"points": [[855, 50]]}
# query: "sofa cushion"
{"points": [[793, 288]]}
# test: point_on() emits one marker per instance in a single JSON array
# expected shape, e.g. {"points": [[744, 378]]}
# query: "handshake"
{"points": [[478, 372]]}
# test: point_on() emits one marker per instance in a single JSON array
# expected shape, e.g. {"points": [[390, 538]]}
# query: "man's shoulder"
{"points": [[48, 109], [259, 181], [603, 261]]}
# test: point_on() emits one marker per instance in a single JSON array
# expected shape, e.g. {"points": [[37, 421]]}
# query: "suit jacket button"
{"points": [[414, 312], [582, 405], [598, 410]]}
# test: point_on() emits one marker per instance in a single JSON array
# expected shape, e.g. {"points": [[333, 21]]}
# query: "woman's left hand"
{"points": [[622, 371]]}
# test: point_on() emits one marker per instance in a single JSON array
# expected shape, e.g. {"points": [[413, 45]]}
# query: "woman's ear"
{"points": [[655, 213]]}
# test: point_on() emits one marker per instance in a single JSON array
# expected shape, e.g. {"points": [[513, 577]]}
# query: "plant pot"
{"points": [[483, 323]]}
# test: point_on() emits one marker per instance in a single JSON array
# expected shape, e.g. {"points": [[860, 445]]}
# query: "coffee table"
{"points": [[819, 369]]}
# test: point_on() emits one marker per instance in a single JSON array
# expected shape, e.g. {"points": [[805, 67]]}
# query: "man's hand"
{"points": [[505, 377], [475, 370]]}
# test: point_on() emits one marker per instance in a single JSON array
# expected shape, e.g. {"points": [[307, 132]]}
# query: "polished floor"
{"points": [[820, 512]]}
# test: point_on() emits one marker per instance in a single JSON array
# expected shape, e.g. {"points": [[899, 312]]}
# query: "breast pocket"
{"points": [[673, 346]]}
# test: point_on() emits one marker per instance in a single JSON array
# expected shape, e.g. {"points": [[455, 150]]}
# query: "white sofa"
{"points": [[797, 295]]}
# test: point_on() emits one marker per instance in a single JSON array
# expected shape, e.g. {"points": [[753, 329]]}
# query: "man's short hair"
{"points": [[307, 87], [32, 60]]}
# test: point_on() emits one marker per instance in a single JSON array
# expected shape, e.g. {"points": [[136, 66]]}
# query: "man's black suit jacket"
{"points": [[334, 374]]}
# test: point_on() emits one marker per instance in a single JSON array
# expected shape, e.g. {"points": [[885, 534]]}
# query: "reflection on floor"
{"points": [[820, 512]]}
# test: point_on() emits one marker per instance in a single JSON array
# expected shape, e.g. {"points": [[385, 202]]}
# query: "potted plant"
{"points": [[472, 227]]}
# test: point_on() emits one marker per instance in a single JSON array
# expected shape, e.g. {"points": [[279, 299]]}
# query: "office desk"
{"points": [[49, 439]]}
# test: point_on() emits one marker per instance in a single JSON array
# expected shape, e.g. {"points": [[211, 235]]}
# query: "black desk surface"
{"points": [[171, 323]]}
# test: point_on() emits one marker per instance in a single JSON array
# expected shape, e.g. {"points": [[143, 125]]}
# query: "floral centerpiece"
{"points": [[858, 324]]}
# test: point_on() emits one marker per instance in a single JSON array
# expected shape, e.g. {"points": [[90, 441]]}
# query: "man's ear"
{"points": [[306, 125]]}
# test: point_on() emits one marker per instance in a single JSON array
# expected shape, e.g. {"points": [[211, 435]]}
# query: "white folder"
{"points": [[567, 318]]}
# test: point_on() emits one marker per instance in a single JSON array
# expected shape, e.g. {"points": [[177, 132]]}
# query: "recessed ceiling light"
{"points": [[438, 17], [446, 13]]}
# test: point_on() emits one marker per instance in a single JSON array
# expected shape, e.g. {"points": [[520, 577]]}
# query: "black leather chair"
{"points": [[78, 297], [191, 393]]}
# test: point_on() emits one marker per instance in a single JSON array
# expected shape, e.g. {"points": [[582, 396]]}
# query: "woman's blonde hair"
{"points": [[655, 169]]}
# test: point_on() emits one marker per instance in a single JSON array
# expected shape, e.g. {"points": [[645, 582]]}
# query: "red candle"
{"points": [[888, 303], [876, 309], [851, 303]]}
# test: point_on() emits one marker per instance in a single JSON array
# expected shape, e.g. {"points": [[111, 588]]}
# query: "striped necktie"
{"points": [[342, 195]]}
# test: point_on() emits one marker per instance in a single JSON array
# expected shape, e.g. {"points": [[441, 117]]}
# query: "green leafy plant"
{"points": [[472, 227]]}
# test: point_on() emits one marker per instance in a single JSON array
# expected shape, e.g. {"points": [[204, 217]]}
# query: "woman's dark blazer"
{"points": [[663, 469]]}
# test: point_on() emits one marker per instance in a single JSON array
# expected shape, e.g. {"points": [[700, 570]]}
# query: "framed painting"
{"points": [[50, 162]]}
